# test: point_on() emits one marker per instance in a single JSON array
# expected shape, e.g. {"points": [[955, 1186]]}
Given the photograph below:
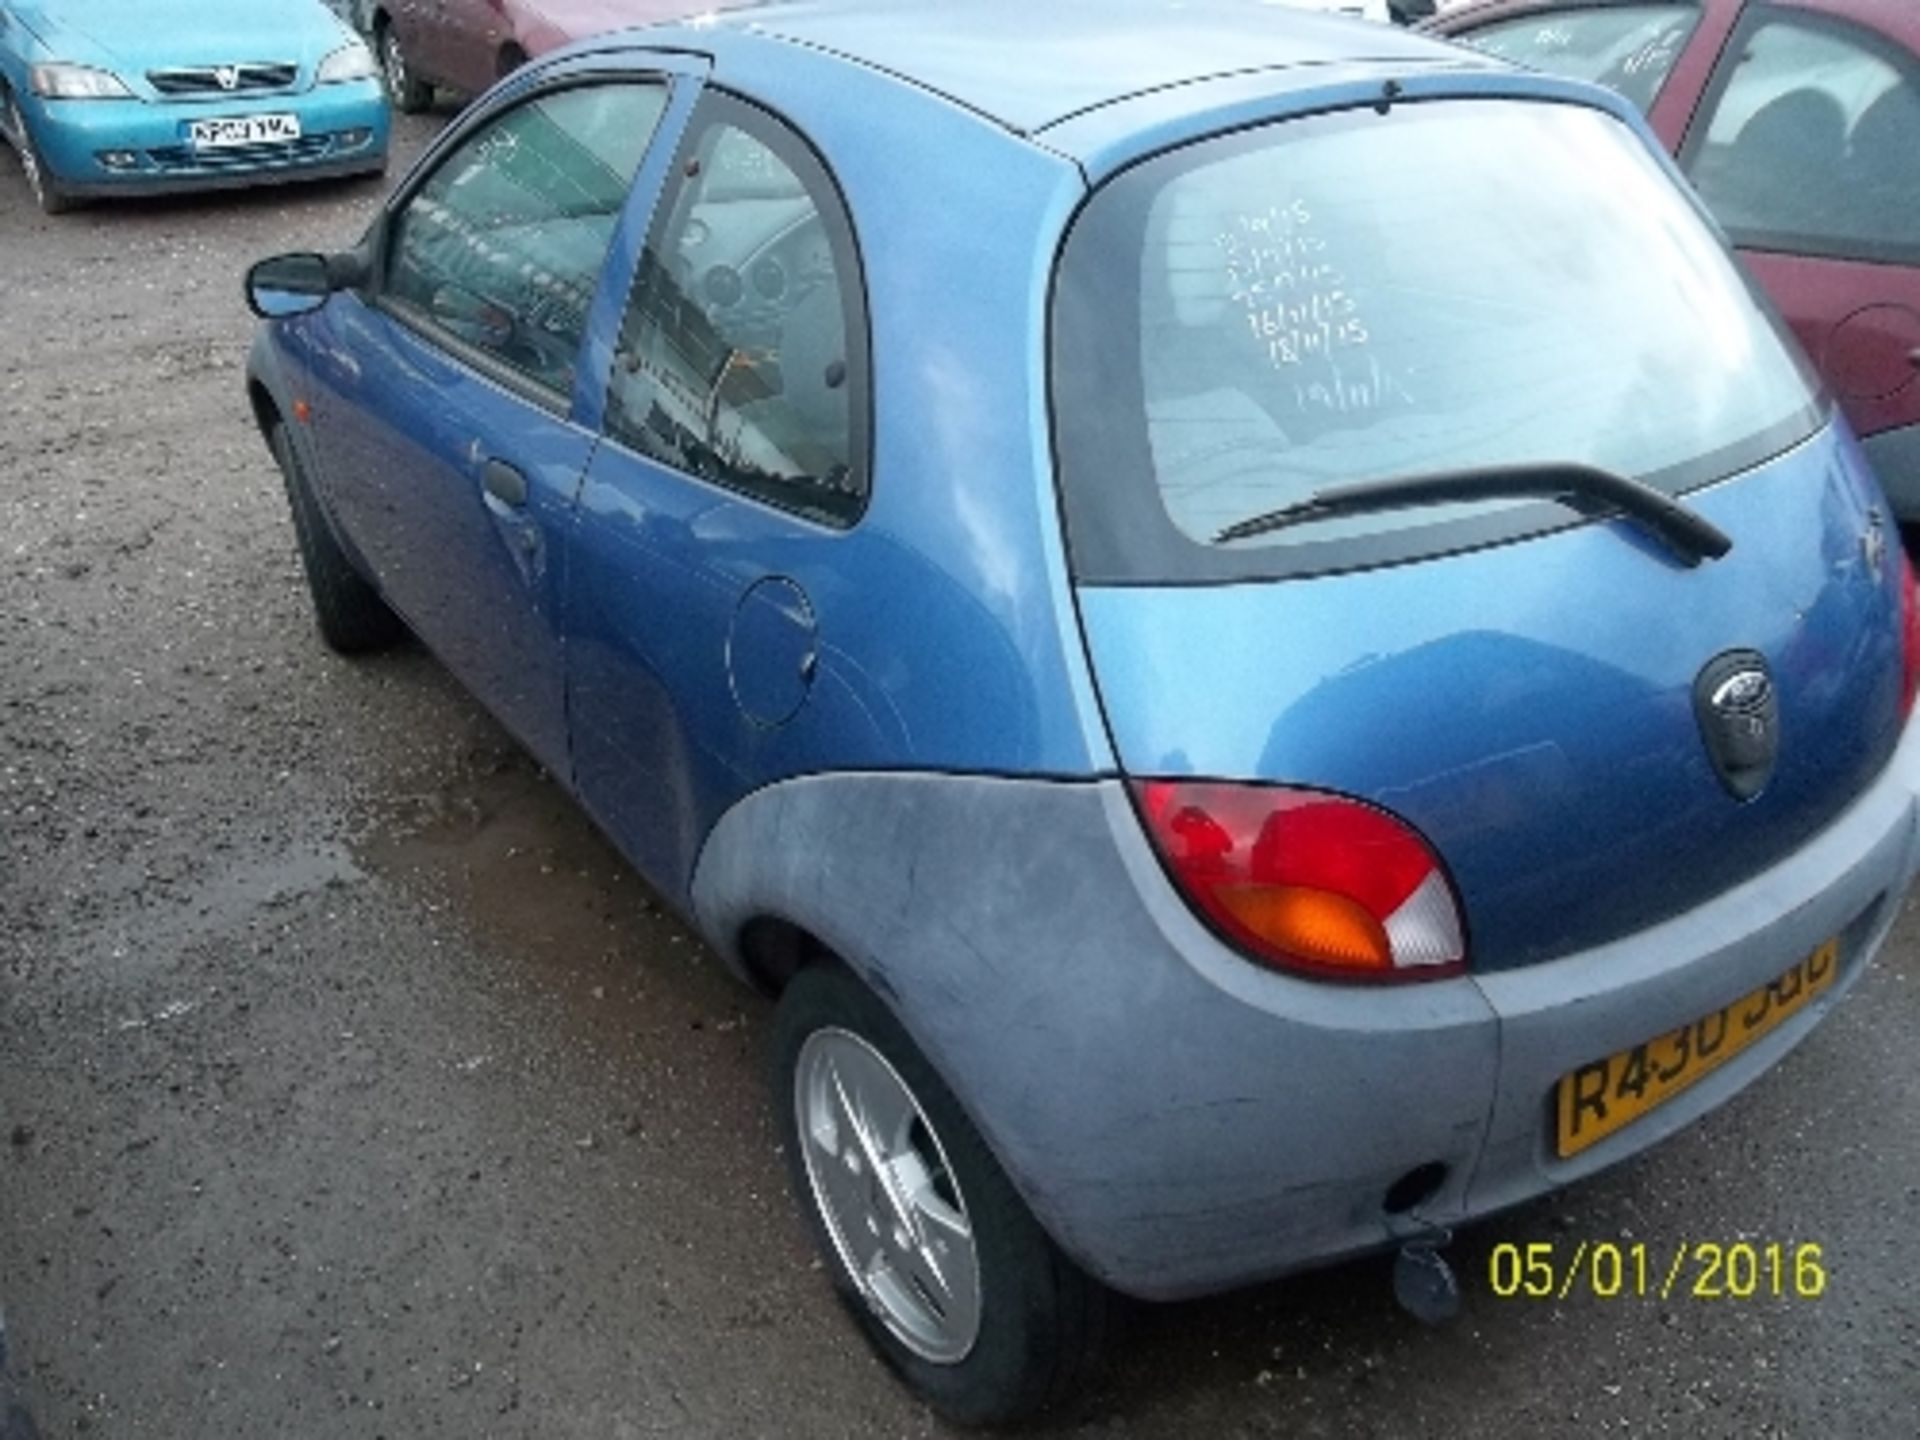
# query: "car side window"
{"points": [[1628, 48], [1810, 142], [742, 355], [501, 248]]}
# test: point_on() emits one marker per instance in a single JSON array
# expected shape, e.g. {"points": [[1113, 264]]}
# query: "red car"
{"points": [[466, 45], [1798, 121]]}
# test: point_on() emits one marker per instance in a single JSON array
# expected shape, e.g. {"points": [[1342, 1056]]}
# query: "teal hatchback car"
{"points": [[115, 97]]}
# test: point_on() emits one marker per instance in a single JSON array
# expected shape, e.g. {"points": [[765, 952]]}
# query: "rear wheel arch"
{"points": [[1042, 1320], [770, 950]]}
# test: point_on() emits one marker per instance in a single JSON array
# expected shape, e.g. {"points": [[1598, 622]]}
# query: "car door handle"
{"points": [[1913, 358], [504, 483]]}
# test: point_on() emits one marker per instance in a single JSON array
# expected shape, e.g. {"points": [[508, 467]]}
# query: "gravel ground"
{"points": [[350, 1085]]}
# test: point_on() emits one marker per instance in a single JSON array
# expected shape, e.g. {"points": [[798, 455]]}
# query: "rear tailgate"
{"points": [[1299, 369], [1530, 707]]}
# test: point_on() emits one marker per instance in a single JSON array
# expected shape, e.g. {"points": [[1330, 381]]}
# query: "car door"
{"points": [[731, 479], [417, 23], [1806, 147], [469, 34], [444, 397]]}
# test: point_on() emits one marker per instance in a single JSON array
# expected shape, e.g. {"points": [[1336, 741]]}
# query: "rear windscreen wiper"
{"points": [[1688, 534]]}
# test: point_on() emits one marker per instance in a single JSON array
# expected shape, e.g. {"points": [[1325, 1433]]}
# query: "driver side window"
{"points": [[501, 248], [741, 358]]}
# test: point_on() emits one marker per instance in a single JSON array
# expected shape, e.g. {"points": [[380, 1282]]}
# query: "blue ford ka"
{"points": [[1242, 615], [120, 97]]}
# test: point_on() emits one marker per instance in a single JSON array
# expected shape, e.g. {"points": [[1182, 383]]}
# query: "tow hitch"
{"points": [[1423, 1282]]}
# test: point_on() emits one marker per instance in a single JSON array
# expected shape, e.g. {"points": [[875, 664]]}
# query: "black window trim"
{"points": [[421, 324], [1778, 242], [788, 142]]}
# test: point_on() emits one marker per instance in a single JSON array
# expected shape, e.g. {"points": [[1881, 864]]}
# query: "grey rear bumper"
{"points": [[1183, 1121]]}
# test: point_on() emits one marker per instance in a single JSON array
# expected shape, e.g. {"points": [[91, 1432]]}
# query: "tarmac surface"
{"points": [[350, 1085]]}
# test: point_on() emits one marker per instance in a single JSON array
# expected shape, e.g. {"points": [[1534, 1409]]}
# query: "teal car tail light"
{"points": [[1306, 881]]}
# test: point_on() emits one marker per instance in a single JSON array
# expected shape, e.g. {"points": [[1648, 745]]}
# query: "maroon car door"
{"points": [[473, 36], [417, 24], [1806, 147]]}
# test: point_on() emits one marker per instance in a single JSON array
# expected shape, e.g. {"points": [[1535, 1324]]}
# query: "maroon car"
{"points": [[466, 45], [1798, 121]]}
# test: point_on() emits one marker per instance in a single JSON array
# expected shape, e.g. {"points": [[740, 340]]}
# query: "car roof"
{"points": [[1028, 64]]}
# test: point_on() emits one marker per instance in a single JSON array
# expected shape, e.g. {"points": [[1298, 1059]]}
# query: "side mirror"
{"points": [[288, 285], [299, 284]]}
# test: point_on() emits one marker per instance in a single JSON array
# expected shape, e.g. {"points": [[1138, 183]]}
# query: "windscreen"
{"points": [[1628, 48], [1454, 285]]}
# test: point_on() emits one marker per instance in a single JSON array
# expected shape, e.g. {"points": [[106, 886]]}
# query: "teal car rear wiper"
{"points": [[1688, 534]]}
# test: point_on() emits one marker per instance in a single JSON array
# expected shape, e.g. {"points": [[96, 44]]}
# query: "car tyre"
{"points": [[1029, 1331], [47, 193], [351, 616], [409, 94]]}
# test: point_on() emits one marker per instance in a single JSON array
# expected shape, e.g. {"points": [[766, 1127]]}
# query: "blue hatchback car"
{"points": [[121, 97], [1243, 615]]}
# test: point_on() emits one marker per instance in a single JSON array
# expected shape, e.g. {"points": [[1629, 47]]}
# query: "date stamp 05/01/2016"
{"points": [[1634, 1270]]}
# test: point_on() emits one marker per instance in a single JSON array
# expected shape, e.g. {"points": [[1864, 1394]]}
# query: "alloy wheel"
{"points": [[394, 64], [888, 1198], [23, 147]]}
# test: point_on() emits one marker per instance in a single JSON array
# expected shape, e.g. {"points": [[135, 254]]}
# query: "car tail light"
{"points": [[1306, 881], [1909, 634]]}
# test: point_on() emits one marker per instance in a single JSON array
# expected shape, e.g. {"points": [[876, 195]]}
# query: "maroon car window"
{"points": [[738, 359], [501, 248], [1812, 144], [1629, 48]]}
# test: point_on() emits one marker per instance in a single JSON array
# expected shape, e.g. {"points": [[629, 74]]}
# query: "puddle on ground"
{"points": [[502, 851], [230, 899]]}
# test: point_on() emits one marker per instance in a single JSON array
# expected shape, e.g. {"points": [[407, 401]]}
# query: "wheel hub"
{"points": [[29, 162], [891, 1205], [396, 66]]}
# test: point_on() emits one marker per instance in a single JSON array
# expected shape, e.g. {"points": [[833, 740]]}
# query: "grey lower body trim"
{"points": [[1183, 1121]]}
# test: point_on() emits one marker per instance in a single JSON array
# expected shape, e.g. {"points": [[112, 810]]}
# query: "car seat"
{"points": [[1782, 173], [1880, 181]]}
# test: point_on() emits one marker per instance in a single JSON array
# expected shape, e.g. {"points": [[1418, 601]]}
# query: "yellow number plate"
{"points": [[1608, 1095]]}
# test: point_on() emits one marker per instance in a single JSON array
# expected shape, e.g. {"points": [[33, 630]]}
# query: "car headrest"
{"points": [[1800, 134], [1885, 145]]}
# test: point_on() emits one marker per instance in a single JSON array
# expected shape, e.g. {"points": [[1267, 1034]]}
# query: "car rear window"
{"points": [[1355, 297], [1628, 48]]}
